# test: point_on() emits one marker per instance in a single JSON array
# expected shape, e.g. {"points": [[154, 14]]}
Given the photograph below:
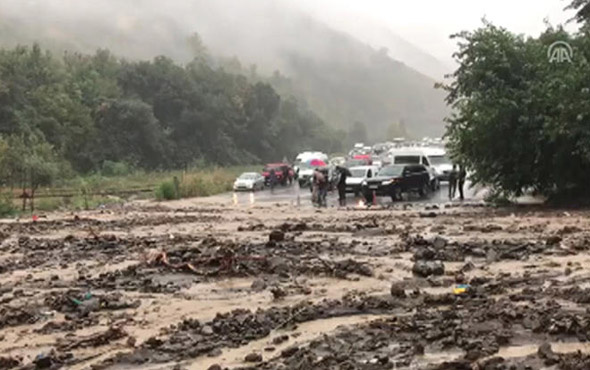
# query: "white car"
{"points": [[337, 161], [249, 181], [359, 174]]}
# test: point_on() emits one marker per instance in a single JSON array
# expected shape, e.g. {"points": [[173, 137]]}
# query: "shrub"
{"points": [[7, 207], [166, 191], [49, 204], [111, 168]]}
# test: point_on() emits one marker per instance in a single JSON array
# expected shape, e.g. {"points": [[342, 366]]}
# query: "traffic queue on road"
{"points": [[390, 169]]}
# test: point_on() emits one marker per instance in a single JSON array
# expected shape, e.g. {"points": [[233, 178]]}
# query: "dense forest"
{"points": [[81, 112], [342, 79]]}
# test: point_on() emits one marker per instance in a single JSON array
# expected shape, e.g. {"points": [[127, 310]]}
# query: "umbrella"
{"points": [[317, 163]]}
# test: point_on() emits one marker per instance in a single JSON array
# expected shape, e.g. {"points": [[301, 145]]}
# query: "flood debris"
{"points": [[445, 292], [92, 340]]}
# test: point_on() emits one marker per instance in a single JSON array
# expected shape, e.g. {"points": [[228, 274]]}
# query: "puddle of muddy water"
{"points": [[531, 349]]}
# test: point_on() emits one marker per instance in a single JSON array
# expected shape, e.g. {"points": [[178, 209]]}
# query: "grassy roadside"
{"points": [[92, 191]]}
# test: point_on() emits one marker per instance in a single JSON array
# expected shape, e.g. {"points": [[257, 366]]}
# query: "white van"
{"points": [[439, 161], [358, 175], [415, 156]]}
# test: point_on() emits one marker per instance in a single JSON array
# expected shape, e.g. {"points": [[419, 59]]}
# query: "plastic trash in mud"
{"points": [[461, 289], [78, 302]]}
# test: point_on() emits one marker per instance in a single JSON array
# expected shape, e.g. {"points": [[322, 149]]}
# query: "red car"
{"points": [[283, 172], [365, 158]]}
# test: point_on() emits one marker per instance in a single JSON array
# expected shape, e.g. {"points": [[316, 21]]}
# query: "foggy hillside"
{"points": [[341, 78]]}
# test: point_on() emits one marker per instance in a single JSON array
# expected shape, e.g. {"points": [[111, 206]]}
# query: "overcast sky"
{"points": [[428, 23], [425, 24]]}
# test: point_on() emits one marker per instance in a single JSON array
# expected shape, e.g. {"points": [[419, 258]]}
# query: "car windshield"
{"points": [[407, 159], [358, 172], [248, 176], [391, 171], [439, 159]]}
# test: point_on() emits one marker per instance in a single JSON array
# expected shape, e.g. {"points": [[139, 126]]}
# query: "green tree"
{"points": [[94, 110], [582, 8], [521, 122]]}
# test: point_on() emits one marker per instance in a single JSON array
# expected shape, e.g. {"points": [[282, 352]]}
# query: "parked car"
{"points": [[249, 181], [306, 157], [395, 180], [337, 161], [359, 174], [283, 172], [352, 162], [364, 157]]}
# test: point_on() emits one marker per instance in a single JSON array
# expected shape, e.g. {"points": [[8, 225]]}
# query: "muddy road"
{"points": [[206, 284]]}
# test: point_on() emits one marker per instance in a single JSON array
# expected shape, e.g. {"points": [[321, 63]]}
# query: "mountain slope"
{"points": [[342, 79]]}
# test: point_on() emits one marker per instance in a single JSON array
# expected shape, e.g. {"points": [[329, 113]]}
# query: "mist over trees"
{"points": [[340, 78], [80, 112]]}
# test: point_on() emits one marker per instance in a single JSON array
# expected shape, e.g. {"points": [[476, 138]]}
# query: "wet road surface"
{"points": [[294, 195]]}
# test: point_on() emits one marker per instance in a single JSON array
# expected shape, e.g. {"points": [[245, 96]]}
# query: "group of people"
{"points": [[457, 182], [321, 183]]}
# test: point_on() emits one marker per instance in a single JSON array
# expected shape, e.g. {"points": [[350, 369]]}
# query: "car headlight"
{"points": [[364, 183]]}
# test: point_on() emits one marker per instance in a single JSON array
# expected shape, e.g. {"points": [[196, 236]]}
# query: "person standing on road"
{"points": [[272, 179], [285, 175], [344, 173], [453, 182], [315, 187], [461, 179], [323, 187]]}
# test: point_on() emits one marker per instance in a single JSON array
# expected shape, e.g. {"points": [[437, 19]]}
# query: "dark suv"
{"points": [[395, 180]]}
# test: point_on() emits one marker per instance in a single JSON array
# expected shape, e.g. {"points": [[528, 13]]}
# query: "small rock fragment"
{"points": [[253, 357], [207, 330], [288, 352], [276, 236], [397, 290]]}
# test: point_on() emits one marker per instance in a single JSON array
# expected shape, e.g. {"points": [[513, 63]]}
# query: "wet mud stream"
{"points": [[198, 285]]}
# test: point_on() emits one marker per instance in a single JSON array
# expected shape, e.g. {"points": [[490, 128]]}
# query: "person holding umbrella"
{"points": [[317, 183], [344, 173]]}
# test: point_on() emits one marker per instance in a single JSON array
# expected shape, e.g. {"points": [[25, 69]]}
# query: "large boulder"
{"points": [[427, 268]]}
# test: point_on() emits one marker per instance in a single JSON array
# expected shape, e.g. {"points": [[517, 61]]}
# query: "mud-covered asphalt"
{"points": [[206, 284]]}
